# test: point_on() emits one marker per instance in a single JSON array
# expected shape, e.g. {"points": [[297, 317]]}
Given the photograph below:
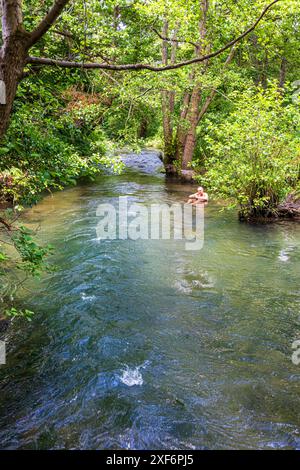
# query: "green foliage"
{"points": [[32, 256], [20, 257], [48, 147], [16, 313], [255, 154]]}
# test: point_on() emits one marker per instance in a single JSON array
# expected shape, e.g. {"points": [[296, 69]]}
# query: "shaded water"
{"points": [[144, 345]]}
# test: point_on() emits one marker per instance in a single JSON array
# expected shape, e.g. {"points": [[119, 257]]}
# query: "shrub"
{"points": [[255, 155]]}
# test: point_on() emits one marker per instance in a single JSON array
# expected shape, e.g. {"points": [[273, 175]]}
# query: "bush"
{"points": [[40, 154], [255, 155]]}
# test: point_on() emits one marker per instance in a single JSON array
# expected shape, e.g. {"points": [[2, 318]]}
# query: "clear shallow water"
{"points": [[144, 345]]}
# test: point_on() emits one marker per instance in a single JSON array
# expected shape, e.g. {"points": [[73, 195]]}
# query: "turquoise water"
{"points": [[144, 345]]}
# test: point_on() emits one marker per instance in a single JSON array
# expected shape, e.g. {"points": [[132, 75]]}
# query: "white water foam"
{"points": [[88, 298], [283, 256], [133, 376]]}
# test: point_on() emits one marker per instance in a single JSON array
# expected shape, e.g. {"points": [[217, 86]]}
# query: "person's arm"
{"points": [[203, 198]]}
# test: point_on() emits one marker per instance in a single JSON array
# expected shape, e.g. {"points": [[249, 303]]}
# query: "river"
{"points": [[145, 345]]}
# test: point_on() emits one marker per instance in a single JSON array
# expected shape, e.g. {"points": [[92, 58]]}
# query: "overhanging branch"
{"points": [[48, 21], [140, 66]]}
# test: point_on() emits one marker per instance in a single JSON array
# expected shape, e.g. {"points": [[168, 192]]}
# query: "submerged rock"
{"points": [[147, 161]]}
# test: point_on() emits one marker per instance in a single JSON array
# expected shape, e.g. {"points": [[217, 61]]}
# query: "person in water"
{"points": [[199, 197]]}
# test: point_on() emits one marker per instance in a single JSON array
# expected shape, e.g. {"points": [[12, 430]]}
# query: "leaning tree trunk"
{"points": [[182, 128], [12, 61], [192, 119], [195, 116], [193, 112], [168, 97]]}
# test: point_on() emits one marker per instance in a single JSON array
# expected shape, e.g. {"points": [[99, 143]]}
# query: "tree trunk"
{"points": [[186, 136], [192, 119], [12, 61], [13, 55], [182, 123], [181, 128], [283, 72], [143, 128], [168, 97], [16, 42], [193, 112]]}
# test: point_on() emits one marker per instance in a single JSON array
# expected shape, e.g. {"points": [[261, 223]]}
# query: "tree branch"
{"points": [[213, 92], [121, 67], [48, 21], [6, 224], [178, 41], [64, 33]]}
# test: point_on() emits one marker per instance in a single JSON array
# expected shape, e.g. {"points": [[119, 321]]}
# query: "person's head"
{"points": [[200, 190]]}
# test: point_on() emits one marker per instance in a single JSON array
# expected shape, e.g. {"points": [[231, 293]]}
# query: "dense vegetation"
{"points": [[214, 84]]}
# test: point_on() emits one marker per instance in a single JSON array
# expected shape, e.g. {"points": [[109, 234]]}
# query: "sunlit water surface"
{"points": [[144, 345]]}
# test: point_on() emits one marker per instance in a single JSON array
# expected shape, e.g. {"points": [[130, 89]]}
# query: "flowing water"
{"points": [[144, 345]]}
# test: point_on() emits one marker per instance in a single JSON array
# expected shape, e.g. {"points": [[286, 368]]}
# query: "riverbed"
{"points": [[145, 345]]}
